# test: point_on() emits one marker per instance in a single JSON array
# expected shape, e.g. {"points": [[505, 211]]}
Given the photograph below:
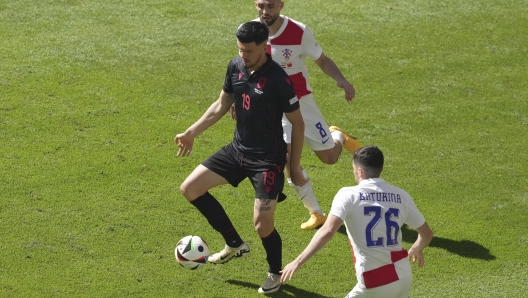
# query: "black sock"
{"points": [[273, 246], [218, 219]]}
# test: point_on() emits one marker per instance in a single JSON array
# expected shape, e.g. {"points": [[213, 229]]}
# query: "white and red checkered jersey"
{"points": [[374, 212], [289, 47]]}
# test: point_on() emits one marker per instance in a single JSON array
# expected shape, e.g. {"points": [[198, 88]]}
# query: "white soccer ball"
{"points": [[191, 252]]}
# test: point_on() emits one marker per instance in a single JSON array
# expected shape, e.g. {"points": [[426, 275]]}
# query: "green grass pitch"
{"points": [[93, 92]]}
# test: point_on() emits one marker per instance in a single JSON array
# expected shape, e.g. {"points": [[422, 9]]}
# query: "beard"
{"points": [[270, 22], [251, 64]]}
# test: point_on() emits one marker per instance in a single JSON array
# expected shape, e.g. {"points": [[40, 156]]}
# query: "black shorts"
{"points": [[266, 176]]}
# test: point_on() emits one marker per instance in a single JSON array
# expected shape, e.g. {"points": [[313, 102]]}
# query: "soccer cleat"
{"points": [[229, 253], [349, 142], [271, 284], [315, 221]]}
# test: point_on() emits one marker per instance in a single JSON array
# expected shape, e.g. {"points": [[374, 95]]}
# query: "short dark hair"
{"points": [[252, 32], [371, 159]]}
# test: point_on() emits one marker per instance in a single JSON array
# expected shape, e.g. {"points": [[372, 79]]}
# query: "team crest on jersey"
{"points": [[240, 75], [261, 83], [287, 53]]}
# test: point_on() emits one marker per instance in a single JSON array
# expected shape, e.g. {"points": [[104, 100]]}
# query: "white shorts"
{"points": [[398, 289], [316, 131]]}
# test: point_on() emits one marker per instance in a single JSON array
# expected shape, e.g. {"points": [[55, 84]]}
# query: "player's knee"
{"points": [[329, 156], [263, 228], [328, 159], [186, 190]]}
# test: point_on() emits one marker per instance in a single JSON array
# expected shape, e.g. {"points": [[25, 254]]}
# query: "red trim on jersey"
{"points": [[292, 35], [299, 85], [398, 255], [381, 276]]}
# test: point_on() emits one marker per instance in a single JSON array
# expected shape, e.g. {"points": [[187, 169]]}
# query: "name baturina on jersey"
{"points": [[380, 197]]}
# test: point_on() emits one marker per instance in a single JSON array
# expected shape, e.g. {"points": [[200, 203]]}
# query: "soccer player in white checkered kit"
{"points": [[373, 212], [261, 92], [289, 43]]}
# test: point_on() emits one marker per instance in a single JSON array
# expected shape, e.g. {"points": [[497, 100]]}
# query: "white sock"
{"points": [[337, 135], [307, 195]]}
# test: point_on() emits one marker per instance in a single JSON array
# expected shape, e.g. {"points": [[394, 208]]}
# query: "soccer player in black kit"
{"points": [[261, 92]]}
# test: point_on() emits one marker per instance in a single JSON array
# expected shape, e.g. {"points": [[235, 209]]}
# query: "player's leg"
{"points": [[220, 168], [305, 192], [263, 218], [200, 181], [268, 185], [398, 289], [327, 142]]}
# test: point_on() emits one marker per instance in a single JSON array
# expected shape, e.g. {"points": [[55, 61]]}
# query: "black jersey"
{"points": [[260, 101]]}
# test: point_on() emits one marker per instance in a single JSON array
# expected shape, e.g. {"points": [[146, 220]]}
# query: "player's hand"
{"points": [[416, 255], [232, 112], [297, 176], [289, 270], [350, 92], [185, 143]]}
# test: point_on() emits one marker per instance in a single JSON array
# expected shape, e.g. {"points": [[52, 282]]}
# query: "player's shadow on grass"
{"points": [[285, 291], [464, 248]]}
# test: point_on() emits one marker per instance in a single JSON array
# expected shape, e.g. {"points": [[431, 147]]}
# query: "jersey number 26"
{"points": [[392, 227]]}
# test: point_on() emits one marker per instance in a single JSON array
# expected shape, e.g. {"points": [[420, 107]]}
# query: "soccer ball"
{"points": [[191, 252]]}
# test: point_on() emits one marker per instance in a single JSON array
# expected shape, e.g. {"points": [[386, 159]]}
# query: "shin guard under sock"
{"points": [[217, 218], [273, 246]]}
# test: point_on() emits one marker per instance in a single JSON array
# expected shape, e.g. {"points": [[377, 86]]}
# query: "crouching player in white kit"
{"points": [[373, 212]]}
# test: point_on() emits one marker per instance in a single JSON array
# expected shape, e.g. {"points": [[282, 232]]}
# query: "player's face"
{"points": [[269, 10], [251, 53]]}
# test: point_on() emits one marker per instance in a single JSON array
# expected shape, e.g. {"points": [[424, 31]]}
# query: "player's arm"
{"points": [[328, 66], [319, 240], [232, 112], [425, 235], [214, 113], [297, 142]]}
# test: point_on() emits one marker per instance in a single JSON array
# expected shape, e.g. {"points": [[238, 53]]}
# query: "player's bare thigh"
{"points": [[263, 216], [199, 182]]}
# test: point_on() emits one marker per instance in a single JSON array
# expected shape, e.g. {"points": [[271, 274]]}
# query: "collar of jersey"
{"points": [[371, 180]]}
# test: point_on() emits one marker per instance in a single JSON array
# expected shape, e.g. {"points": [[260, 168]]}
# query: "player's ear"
{"points": [[361, 172]]}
